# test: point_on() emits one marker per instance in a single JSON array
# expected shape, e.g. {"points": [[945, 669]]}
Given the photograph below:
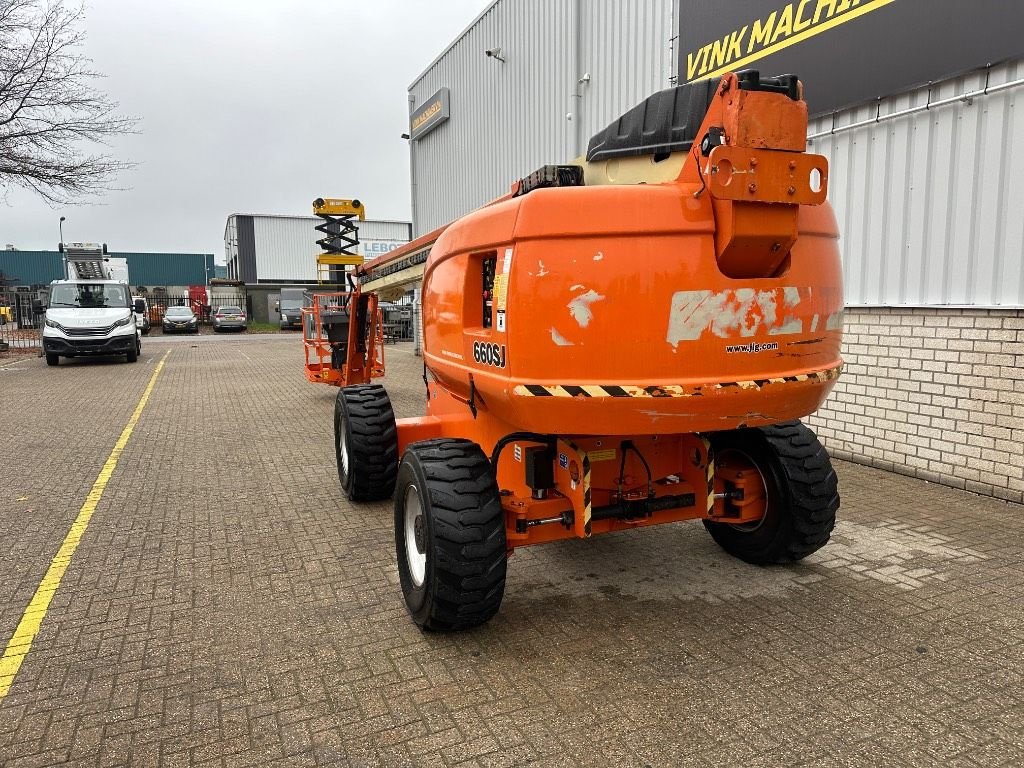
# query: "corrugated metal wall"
{"points": [[508, 119], [286, 245], [929, 204], [627, 53], [285, 248], [30, 267], [149, 269]]}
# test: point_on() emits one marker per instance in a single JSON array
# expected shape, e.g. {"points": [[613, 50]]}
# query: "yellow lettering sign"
{"points": [[800, 23], [761, 33], [822, 5], [424, 116], [790, 24], [785, 25]]}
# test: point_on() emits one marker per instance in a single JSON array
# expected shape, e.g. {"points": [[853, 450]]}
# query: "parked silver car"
{"points": [[229, 316], [180, 319]]}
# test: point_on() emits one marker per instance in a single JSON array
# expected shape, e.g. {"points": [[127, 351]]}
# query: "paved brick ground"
{"points": [[227, 608]]}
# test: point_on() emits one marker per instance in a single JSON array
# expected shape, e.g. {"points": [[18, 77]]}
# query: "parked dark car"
{"points": [[180, 320]]}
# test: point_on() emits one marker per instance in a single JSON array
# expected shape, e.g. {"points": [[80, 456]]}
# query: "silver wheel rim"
{"points": [[343, 450], [751, 527], [416, 560]]}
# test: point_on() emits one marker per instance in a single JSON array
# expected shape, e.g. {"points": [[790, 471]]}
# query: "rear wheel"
{"points": [[52, 359], [801, 493], [449, 535], [365, 442]]}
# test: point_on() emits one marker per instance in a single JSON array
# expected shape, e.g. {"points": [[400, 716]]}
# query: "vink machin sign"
{"points": [[847, 51], [430, 114]]}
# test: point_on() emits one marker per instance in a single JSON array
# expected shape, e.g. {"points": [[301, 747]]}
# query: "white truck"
{"points": [[91, 313]]}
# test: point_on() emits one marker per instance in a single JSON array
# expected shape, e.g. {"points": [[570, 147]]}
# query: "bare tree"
{"points": [[51, 112]]}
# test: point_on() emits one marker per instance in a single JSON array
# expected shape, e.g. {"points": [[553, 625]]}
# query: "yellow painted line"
{"points": [[28, 627], [799, 37]]}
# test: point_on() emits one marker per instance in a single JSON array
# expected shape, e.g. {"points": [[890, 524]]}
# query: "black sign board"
{"points": [[429, 115], [847, 51]]}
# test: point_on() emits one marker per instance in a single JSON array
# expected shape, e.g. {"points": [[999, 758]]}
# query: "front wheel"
{"points": [[800, 487], [449, 535], [52, 359], [365, 442], [133, 353]]}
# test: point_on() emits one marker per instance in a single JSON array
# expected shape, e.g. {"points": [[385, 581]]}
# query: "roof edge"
{"points": [[452, 44], [309, 216]]}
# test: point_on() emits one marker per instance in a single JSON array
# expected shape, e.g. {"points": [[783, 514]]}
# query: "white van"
{"points": [[91, 318]]}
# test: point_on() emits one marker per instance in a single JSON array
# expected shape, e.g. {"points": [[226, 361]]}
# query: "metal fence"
{"points": [[20, 325], [397, 320], [203, 306]]}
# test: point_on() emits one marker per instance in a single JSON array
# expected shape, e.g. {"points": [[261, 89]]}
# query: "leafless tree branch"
{"points": [[50, 107]]}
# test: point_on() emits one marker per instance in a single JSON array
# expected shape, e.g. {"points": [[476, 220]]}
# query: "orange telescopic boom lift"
{"points": [[625, 341], [342, 331]]}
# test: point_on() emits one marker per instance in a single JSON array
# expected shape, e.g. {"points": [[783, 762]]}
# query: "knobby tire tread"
{"points": [[469, 533]]}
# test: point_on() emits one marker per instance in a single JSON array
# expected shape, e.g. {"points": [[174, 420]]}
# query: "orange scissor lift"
{"points": [[342, 331]]}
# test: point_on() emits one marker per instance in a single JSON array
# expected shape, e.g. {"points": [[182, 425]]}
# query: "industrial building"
{"points": [[923, 138], [37, 268], [270, 249]]}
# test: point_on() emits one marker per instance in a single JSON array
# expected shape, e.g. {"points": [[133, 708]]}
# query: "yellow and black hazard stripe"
{"points": [[710, 473], [585, 391], [587, 501]]}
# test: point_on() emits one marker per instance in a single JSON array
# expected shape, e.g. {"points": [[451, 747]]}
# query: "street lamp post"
{"points": [[64, 255]]}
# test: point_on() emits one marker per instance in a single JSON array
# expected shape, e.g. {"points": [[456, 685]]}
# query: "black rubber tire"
{"points": [[463, 530], [52, 359], [364, 418], [802, 492], [132, 355]]}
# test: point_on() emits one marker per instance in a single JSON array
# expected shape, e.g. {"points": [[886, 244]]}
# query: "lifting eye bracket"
{"points": [[472, 395]]}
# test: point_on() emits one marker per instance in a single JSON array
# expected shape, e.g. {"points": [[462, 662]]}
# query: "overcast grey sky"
{"points": [[247, 106]]}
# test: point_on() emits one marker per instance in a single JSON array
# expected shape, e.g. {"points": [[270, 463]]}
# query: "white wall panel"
{"points": [[928, 208], [508, 119], [929, 204], [626, 52], [286, 246]]}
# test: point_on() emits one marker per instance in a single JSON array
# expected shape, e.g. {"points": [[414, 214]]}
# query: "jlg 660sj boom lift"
{"points": [[630, 351]]}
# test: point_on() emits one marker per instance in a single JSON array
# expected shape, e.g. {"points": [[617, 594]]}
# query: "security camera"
{"points": [[494, 53]]}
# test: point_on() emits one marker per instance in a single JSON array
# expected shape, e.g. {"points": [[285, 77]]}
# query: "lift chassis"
{"points": [[610, 355]]}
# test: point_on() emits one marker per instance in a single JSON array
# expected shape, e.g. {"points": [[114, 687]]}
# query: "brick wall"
{"points": [[933, 393]]}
